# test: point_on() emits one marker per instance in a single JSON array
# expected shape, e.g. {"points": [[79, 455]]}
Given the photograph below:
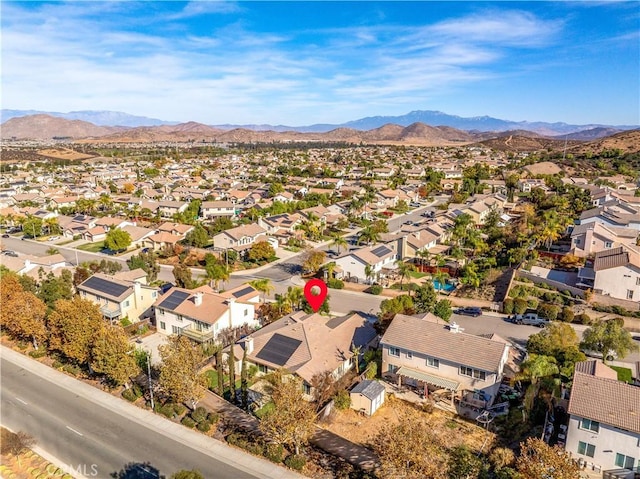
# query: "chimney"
{"points": [[248, 344], [197, 299]]}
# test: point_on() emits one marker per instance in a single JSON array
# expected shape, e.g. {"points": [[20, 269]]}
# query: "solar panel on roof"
{"points": [[105, 286], [242, 292], [380, 251], [278, 349], [174, 299]]}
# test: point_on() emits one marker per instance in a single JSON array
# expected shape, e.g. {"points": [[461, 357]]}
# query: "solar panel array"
{"points": [[242, 292], [104, 286], [381, 251], [279, 349], [174, 299]]}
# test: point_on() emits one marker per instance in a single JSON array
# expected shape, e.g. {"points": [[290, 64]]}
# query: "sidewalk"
{"points": [[199, 442], [354, 454]]}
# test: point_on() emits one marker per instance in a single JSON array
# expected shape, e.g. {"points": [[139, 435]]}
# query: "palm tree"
{"points": [[356, 350], [404, 269], [532, 370], [369, 235], [264, 286], [338, 242], [294, 295], [423, 254], [217, 272], [368, 272], [440, 276]]}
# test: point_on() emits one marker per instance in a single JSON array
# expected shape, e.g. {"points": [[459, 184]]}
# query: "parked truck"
{"points": [[531, 319]]}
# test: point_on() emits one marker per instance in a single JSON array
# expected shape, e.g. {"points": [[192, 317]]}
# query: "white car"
{"points": [[53, 238]]}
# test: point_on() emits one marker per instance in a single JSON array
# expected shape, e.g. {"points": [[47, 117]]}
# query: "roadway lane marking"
{"points": [[23, 402], [72, 429]]}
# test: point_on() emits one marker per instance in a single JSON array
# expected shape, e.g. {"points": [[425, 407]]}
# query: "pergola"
{"points": [[426, 378]]}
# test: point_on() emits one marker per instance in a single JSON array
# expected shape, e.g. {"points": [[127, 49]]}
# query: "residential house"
{"points": [[177, 229], [428, 353], [308, 344], [374, 259], [161, 240], [240, 237], [215, 209], [169, 208], [614, 213], [614, 272], [138, 235], [201, 313], [527, 184], [591, 238], [604, 421], [119, 297]]}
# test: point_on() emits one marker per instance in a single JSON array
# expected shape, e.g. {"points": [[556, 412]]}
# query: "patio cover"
{"points": [[428, 378]]}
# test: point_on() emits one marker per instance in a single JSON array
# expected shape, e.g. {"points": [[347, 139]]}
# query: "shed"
{"points": [[367, 396]]}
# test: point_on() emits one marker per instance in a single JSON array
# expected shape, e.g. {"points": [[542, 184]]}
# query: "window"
{"points": [[638, 281], [586, 449], [608, 244], [625, 461], [154, 294], [126, 303], [433, 362], [176, 329], [180, 318], [161, 311], [262, 368], [163, 325], [393, 368], [629, 294], [473, 373], [409, 355], [590, 425], [394, 351], [306, 389], [246, 312]]}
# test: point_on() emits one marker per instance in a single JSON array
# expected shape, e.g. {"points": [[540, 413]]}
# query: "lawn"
{"points": [[417, 274], [624, 374], [92, 247], [265, 410]]}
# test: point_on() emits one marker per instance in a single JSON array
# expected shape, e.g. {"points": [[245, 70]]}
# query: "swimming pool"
{"points": [[446, 287]]}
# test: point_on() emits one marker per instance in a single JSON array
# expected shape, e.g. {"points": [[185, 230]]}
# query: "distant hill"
{"points": [[591, 134], [47, 127], [625, 141], [100, 118]]}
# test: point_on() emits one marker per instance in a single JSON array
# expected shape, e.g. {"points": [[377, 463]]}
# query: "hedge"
{"points": [[187, 421], [296, 461], [375, 289], [335, 283]]}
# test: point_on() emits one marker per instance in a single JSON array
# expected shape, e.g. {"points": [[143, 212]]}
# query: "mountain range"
{"points": [[427, 117]]}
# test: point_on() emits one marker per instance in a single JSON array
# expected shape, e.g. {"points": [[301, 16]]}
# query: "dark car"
{"points": [[469, 311], [6, 236]]}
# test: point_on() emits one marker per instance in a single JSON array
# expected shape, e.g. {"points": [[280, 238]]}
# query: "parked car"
{"points": [[413, 204], [6, 236], [469, 311], [611, 355], [531, 319], [53, 238], [13, 254], [409, 223]]}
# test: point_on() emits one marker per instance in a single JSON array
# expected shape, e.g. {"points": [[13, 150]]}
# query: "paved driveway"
{"points": [[151, 343]]}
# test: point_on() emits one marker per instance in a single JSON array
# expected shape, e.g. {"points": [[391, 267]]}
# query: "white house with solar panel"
{"points": [[201, 313], [119, 297], [354, 264]]}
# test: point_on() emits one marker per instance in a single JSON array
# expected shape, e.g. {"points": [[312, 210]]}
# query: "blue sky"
{"points": [[299, 63]]}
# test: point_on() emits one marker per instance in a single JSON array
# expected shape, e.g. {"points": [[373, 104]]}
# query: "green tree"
{"points": [[232, 373], [400, 304], [338, 241], [261, 251], [244, 381], [443, 310], [73, 326], [197, 237], [147, 262], [312, 261], [182, 275], [368, 235], [264, 286], [291, 422], [425, 298], [112, 355], [216, 271], [609, 338], [117, 239], [220, 371], [404, 269], [32, 226], [52, 287], [532, 370], [463, 463], [180, 377]]}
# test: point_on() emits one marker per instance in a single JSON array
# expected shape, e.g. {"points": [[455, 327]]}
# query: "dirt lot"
{"points": [[361, 429], [63, 154]]}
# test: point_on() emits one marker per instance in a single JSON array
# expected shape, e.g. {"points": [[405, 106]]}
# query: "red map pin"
{"points": [[315, 301]]}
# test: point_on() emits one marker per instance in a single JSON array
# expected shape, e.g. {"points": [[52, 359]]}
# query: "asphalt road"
{"points": [[83, 433]]}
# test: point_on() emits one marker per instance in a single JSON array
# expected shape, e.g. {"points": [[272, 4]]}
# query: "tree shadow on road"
{"points": [[138, 470]]}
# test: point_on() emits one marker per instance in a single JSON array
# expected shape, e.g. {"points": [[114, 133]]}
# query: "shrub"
{"points": [[507, 306], [179, 409], [204, 426], [187, 421], [296, 461], [124, 322], [372, 370], [532, 303], [549, 311], [129, 395], [213, 418], [275, 453], [335, 283], [72, 369], [200, 414], [342, 400], [38, 353], [566, 315], [375, 289], [57, 364], [519, 305], [252, 371], [167, 410], [583, 318]]}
